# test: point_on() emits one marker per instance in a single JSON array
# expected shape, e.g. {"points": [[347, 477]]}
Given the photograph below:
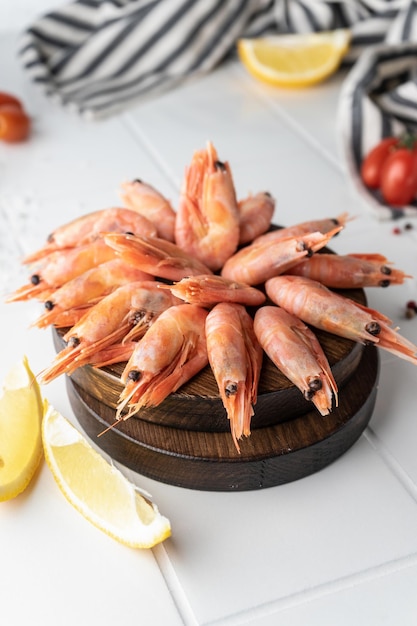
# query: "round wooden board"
{"points": [[272, 455]]}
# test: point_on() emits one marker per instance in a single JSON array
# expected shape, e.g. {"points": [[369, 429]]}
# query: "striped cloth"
{"points": [[98, 57]]}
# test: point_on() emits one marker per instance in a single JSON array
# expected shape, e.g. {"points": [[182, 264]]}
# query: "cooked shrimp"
{"points": [[171, 352], [350, 271], [156, 256], [87, 289], [256, 263], [315, 304], [209, 289], [87, 228], [61, 266], [235, 356], [296, 351], [207, 222], [304, 228], [124, 314], [255, 213], [147, 201]]}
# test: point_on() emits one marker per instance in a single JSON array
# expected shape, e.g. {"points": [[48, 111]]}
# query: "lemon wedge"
{"points": [[97, 489], [21, 413], [297, 60]]}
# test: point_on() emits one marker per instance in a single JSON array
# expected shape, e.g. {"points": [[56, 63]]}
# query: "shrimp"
{"points": [[235, 356], [303, 228], [350, 271], [156, 256], [85, 290], [255, 216], [61, 266], [207, 222], [207, 290], [256, 263], [171, 352], [296, 351], [87, 228], [124, 314], [147, 201], [315, 304]]}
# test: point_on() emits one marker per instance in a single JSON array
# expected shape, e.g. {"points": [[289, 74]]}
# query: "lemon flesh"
{"points": [[21, 412], [296, 60], [97, 489]]}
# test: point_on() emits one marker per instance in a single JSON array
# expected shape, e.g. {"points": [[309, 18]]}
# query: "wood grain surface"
{"points": [[271, 456]]}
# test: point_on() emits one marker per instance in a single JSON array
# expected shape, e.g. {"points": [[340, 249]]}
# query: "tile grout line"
{"points": [[314, 593], [154, 155], [389, 460], [174, 586], [299, 130]]}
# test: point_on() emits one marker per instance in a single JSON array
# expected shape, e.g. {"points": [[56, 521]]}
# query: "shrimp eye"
{"points": [[137, 180], [386, 270], [309, 394], [315, 384], [49, 305], [267, 194], [373, 328], [384, 283], [35, 279], [230, 389], [219, 165], [73, 342], [134, 375], [129, 232], [302, 246]]}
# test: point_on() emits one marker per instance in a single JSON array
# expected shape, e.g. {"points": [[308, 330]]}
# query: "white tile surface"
{"points": [[338, 547]]}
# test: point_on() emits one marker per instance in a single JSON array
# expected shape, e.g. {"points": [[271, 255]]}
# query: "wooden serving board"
{"points": [[186, 440], [272, 455]]}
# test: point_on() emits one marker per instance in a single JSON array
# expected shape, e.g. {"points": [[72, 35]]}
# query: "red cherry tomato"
{"points": [[374, 161], [14, 124], [399, 177], [8, 98]]}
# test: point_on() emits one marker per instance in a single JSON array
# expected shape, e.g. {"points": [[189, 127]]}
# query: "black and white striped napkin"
{"points": [[98, 57]]}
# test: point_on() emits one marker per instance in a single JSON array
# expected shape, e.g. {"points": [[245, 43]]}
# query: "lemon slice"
{"points": [[21, 414], [294, 60], [97, 489]]}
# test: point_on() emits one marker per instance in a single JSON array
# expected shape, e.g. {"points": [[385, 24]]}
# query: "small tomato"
{"points": [[9, 99], [14, 124], [399, 177], [374, 161]]}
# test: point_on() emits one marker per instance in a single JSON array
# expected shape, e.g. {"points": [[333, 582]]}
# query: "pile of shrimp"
{"points": [[168, 292]]}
